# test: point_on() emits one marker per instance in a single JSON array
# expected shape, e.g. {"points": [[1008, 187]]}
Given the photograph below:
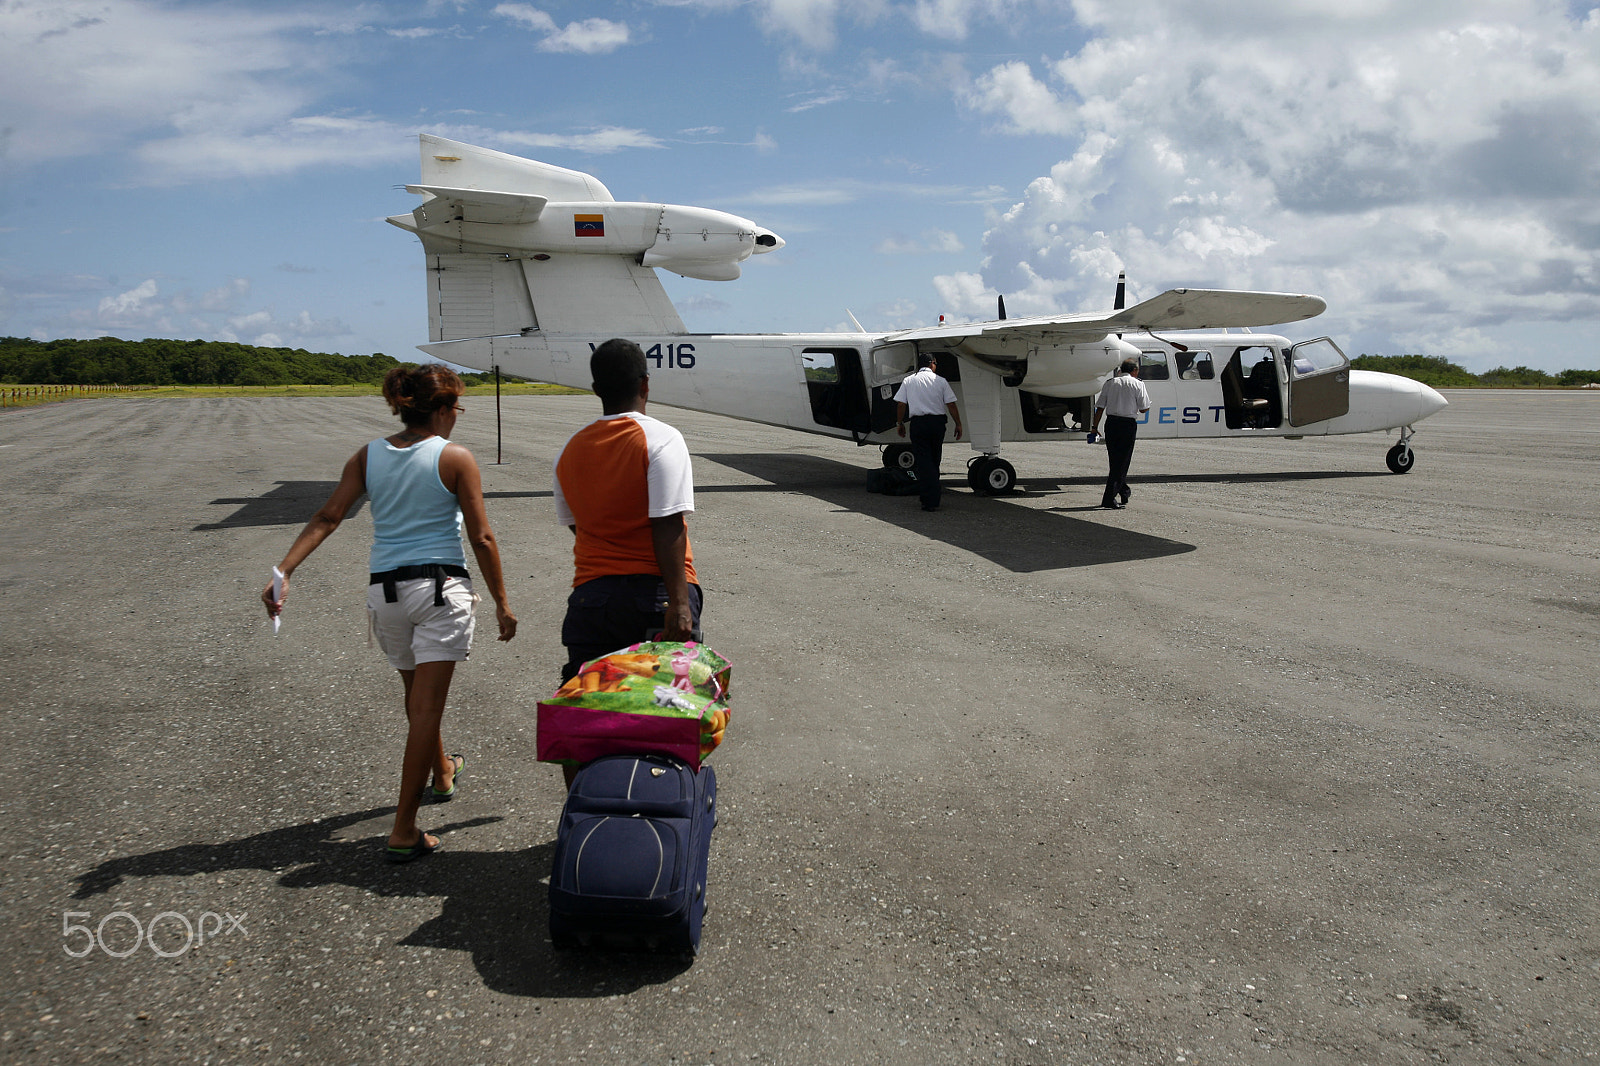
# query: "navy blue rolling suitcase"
{"points": [[631, 855]]}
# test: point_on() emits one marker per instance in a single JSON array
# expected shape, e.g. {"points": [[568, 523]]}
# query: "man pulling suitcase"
{"points": [[632, 849]]}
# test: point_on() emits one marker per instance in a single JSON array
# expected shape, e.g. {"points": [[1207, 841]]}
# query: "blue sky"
{"points": [[1430, 167]]}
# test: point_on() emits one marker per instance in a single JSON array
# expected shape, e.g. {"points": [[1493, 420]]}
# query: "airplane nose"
{"points": [[1384, 401], [767, 241], [1431, 400]]}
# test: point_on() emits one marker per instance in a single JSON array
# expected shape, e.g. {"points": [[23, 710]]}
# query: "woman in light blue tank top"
{"points": [[425, 492]]}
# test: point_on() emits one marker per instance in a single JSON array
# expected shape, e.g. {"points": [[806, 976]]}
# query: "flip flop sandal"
{"points": [[450, 793], [415, 851]]}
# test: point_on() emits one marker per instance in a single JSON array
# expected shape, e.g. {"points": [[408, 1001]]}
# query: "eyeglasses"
{"points": [[458, 409]]}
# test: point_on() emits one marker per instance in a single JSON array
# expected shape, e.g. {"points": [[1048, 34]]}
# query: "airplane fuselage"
{"points": [[842, 384]]}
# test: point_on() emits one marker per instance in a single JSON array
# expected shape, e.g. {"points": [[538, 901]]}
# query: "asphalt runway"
{"points": [[1292, 761]]}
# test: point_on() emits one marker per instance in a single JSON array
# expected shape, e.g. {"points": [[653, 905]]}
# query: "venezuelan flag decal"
{"points": [[588, 225]]}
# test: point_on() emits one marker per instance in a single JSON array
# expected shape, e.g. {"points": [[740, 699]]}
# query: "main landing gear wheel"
{"points": [[990, 475], [1401, 458], [899, 455]]}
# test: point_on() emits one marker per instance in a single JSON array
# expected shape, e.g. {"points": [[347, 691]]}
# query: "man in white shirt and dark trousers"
{"points": [[925, 397], [1122, 399]]}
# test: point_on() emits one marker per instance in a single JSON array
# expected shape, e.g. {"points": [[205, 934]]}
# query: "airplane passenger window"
{"points": [[1153, 366], [1194, 366], [820, 367]]}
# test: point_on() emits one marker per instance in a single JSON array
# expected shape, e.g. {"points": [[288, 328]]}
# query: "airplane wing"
{"points": [[1217, 309], [475, 205], [1173, 309], [1057, 329]]}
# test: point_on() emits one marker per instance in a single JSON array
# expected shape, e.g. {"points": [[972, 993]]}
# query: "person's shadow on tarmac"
{"points": [[495, 903]]}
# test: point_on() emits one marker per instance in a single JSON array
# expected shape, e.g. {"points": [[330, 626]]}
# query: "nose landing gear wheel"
{"points": [[990, 475], [899, 455], [1400, 458]]}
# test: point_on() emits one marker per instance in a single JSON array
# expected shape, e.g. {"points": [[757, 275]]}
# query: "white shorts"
{"points": [[415, 630]]}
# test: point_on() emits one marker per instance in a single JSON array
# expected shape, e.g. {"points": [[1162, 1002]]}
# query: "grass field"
{"points": [[31, 395]]}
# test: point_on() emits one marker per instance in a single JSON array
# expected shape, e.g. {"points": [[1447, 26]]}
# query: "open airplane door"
{"points": [[846, 395], [837, 389], [889, 366], [1319, 382]]}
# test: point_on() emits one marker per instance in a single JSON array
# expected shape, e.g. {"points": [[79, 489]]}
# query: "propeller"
{"points": [[1002, 308]]}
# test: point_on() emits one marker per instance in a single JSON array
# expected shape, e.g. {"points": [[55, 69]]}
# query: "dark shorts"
{"points": [[609, 613]]}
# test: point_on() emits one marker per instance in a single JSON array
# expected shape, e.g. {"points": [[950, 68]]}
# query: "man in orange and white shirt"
{"points": [[624, 486]]}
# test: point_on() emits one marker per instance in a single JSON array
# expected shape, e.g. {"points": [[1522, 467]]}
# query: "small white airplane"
{"points": [[531, 266]]}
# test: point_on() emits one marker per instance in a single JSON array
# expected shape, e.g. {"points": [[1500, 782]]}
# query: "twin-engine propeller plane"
{"points": [[531, 266]]}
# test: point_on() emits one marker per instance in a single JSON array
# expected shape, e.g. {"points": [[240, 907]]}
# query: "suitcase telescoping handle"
{"points": [[681, 805]]}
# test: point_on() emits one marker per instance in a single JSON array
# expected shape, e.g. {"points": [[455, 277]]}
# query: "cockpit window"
{"points": [[1313, 357], [893, 361], [1153, 366]]}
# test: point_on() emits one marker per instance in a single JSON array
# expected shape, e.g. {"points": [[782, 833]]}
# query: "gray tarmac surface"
{"points": [[1293, 761]]}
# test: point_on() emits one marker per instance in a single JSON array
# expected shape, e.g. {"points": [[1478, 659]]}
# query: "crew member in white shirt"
{"points": [[1122, 399], [925, 397]]}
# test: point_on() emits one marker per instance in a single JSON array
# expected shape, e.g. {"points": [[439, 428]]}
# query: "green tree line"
{"points": [[152, 361], [1442, 373], [112, 361]]}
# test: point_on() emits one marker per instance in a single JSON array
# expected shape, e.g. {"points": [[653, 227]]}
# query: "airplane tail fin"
{"points": [[499, 233]]}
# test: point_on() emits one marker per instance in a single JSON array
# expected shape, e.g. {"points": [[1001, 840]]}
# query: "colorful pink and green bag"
{"points": [[652, 698]]}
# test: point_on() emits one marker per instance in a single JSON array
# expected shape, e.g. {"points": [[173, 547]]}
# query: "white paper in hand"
{"points": [[277, 596]]}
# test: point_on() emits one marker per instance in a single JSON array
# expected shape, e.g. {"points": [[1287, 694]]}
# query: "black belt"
{"points": [[437, 571]]}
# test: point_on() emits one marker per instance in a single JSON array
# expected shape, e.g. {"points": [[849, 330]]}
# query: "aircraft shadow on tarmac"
{"points": [[292, 503], [495, 903], [1020, 539]]}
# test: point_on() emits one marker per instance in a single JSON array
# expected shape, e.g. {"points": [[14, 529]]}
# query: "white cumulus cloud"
{"points": [[216, 92], [131, 304], [592, 36], [77, 76], [1427, 167], [527, 15]]}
